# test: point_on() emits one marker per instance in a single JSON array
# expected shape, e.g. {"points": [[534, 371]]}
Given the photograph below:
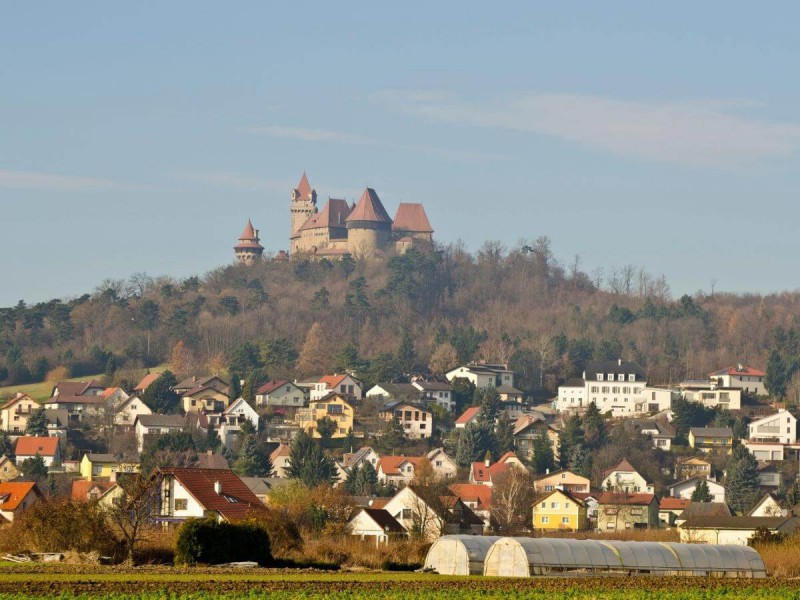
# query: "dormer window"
{"points": [[631, 377], [611, 377], [599, 377], [620, 377]]}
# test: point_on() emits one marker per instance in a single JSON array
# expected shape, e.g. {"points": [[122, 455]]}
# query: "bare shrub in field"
{"points": [[781, 558], [57, 374], [350, 552], [157, 547]]}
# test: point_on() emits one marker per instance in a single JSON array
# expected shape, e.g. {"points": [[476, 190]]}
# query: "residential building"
{"points": [[126, 412], [478, 498], [693, 466], [16, 497], [618, 387], [363, 455], [240, 411], [394, 392], [669, 509], [346, 386], [485, 473], [8, 470], [398, 471], [280, 459], [626, 479], [768, 506], [416, 421], [204, 398], [57, 423], [77, 388], [559, 510], [105, 466], [484, 375], [14, 413], [85, 491], [186, 493], [685, 489], [747, 379], [375, 524], [335, 407], [149, 426], [470, 415], [78, 406], [443, 466], [563, 480], [733, 530], [768, 475], [436, 392], [432, 518], [30, 446], [711, 395], [145, 382], [780, 427], [661, 434], [707, 439], [280, 392], [618, 511], [767, 451], [527, 428], [193, 382]]}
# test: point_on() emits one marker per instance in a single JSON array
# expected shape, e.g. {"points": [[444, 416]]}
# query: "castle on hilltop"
{"points": [[363, 229]]}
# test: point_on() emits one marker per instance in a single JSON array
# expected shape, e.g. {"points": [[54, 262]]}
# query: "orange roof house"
{"points": [[16, 497], [30, 446], [145, 382]]}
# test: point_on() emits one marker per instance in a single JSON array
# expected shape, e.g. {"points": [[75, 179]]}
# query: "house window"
{"points": [[566, 504], [547, 488], [422, 425], [554, 505], [611, 377], [545, 519], [544, 504], [406, 513], [599, 377], [609, 525], [181, 504], [631, 377], [565, 520], [620, 377], [438, 463], [563, 476]]}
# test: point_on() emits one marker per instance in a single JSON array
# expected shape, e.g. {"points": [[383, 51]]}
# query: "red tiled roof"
{"points": [[236, 502], [332, 381], [734, 370], [146, 381], [480, 472], [81, 488], [281, 450], [334, 214], [474, 492], [411, 217], [271, 386], [468, 415], [623, 466], [390, 464], [379, 502], [31, 446], [369, 208], [622, 498], [670, 503], [12, 493], [304, 188]]}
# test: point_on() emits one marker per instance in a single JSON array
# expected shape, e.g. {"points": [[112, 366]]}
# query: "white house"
{"points": [[661, 435], [280, 459], [436, 392], [747, 379], [365, 454], [768, 506], [616, 386], [400, 392], [153, 425], [443, 466], [484, 375], [766, 451], [685, 489], [128, 409], [416, 420], [377, 524], [344, 385], [780, 427], [625, 478], [239, 411], [280, 392], [708, 393], [430, 522], [735, 531]]}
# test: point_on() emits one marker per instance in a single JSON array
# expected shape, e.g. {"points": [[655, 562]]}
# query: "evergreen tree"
{"points": [[6, 445], [594, 427], [778, 375], [688, 414], [392, 437], [249, 390], [159, 396], [367, 480], [235, 388], [490, 406], [701, 492], [741, 480], [326, 427], [309, 463], [407, 355], [37, 423], [580, 461], [543, 456], [473, 443], [212, 439], [350, 484], [504, 435], [34, 468], [251, 461], [571, 439]]}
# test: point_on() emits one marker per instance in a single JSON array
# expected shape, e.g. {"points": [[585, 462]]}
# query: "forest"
{"points": [[387, 319]]}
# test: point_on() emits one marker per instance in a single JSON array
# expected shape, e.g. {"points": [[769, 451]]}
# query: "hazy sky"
{"points": [[140, 136]]}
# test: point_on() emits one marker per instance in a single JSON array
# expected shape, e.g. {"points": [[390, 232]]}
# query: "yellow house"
{"points": [[332, 406], [104, 466], [559, 510], [707, 439], [205, 398]]}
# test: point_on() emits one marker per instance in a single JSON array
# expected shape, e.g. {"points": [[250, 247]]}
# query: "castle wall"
{"points": [[365, 239]]}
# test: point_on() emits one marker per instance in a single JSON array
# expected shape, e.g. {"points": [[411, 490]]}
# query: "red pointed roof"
{"points": [[333, 215], [369, 208], [304, 188], [249, 234], [411, 217], [235, 502]]}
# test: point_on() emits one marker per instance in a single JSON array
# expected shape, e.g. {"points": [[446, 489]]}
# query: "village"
{"points": [[462, 451]]}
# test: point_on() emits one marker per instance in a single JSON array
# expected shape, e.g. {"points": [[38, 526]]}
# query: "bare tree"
{"points": [[512, 498], [131, 513]]}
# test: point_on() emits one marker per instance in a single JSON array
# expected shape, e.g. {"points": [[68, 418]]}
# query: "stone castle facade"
{"points": [[362, 229]]}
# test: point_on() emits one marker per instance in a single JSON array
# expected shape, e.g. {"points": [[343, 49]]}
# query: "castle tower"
{"points": [[303, 205], [248, 250], [369, 226]]}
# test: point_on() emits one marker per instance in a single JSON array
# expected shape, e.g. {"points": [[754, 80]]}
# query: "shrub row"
{"points": [[206, 541]]}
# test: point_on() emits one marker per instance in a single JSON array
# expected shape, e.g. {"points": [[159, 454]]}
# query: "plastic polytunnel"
{"points": [[459, 554], [526, 557]]}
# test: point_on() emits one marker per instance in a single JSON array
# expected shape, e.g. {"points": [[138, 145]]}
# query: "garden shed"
{"points": [[526, 557], [459, 554]]}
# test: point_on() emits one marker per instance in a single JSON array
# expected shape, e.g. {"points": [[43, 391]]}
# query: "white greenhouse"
{"points": [[459, 554], [526, 557]]}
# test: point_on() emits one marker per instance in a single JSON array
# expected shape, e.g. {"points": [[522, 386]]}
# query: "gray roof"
{"points": [[57, 417], [575, 382], [434, 386], [705, 510], [258, 485], [616, 367], [103, 458], [712, 431], [161, 420]]}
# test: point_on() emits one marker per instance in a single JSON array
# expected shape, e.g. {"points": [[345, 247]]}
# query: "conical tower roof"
{"points": [[249, 233], [304, 188], [369, 208], [411, 217]]}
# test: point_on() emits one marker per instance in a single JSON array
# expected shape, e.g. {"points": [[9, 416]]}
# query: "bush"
{"points": [[206, 541], [284, 535]]}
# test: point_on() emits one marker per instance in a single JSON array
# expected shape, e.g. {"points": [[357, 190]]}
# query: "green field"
{"points": [[81, 582]]}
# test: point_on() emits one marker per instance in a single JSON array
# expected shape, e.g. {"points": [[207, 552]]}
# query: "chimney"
{"points": [[619, 362], [209, 452], [739, 367], [547, 471], [217, 488]]}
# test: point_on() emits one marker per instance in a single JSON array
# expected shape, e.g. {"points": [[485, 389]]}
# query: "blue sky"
{"points": [[141, 136]]}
